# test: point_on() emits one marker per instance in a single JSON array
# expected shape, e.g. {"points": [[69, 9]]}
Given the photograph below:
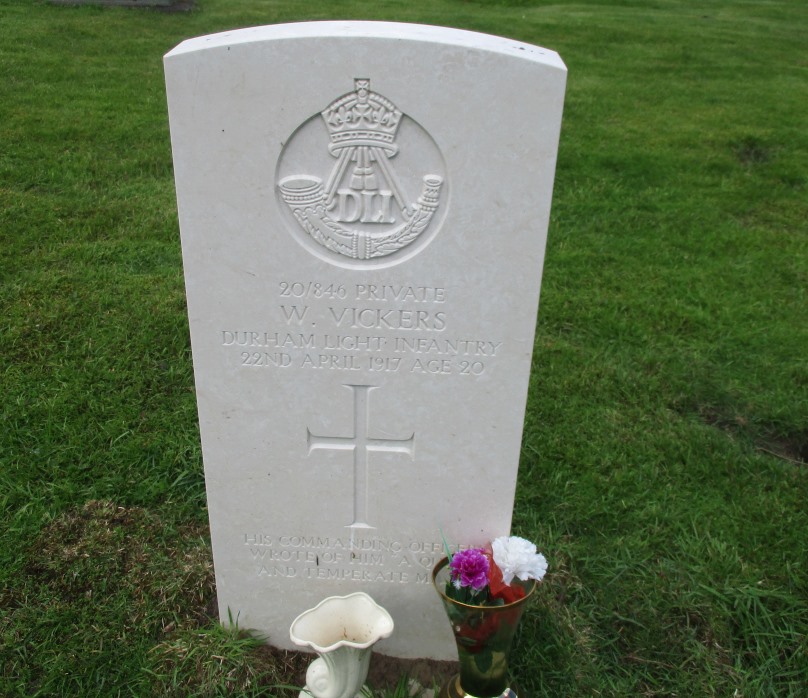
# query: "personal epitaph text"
{"points": [[363, 211]]}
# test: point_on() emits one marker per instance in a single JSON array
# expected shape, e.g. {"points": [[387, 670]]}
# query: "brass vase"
{"points": [[484, 635]]}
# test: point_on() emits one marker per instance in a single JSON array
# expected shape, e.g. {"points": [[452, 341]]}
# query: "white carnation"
{"points": [[517, 557]]}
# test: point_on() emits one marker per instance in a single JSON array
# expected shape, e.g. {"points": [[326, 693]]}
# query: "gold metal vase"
{"points": [[484, 635]]}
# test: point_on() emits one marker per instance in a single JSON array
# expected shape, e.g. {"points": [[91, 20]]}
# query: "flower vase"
{"points": [[342, 631], [484, 635]]}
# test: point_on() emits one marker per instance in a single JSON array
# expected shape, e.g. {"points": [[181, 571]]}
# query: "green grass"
{"points": [[664, 462]]}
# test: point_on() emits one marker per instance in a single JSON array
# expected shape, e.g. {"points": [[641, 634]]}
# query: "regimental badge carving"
{"points": [[367, 201]]}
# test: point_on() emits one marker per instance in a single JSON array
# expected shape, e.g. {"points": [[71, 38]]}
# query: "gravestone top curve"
{"points": [[372, 30]]}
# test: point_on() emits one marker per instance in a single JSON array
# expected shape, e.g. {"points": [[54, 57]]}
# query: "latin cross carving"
{"points": [[361, 444]]}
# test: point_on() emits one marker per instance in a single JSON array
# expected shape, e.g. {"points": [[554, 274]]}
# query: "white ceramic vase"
{"points": [[342, 631]]}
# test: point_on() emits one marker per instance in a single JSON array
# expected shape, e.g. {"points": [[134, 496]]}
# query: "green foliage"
{"points": [[664, 457], [99, 585], [215, 661]]}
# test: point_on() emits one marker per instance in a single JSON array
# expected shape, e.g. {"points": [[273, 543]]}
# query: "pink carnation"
{"points": [[469, 568]]}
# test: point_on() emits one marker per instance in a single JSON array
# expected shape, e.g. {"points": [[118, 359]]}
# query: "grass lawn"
{"points": [[664, 460]]}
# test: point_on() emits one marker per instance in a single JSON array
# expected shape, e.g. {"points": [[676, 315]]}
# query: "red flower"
{"points": [[477, 632], [497, 587]]}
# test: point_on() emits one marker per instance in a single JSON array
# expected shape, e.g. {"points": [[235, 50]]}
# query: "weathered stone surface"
{"points": [[363, 210]]}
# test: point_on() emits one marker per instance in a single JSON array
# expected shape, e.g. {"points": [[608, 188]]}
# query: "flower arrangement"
{"points": [[484, 576], [484, 592]]}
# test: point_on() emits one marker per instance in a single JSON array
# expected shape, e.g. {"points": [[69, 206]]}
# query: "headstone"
{"points": [[363, 212]]}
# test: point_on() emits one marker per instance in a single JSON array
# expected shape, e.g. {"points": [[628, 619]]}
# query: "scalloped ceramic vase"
{"points": [[342, 631]]}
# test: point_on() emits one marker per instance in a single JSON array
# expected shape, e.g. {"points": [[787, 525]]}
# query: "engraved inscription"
{"points": [[375, 328], [361, 445], [357, 559], [358, 292], [362, 201]]}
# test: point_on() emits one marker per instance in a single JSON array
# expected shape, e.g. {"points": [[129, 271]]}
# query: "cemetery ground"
{"points": [[663, 468]]}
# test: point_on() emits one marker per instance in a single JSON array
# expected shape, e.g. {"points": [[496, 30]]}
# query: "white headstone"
{"points": [[363, 211]]}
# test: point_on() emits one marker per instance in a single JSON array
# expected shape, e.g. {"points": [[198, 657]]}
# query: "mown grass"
{"points": [[664, 460]]}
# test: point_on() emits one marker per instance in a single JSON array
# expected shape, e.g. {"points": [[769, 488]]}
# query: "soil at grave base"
{"points": [[385, 672]]}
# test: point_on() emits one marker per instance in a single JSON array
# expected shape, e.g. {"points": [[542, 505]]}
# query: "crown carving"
{"points": [[362, 118]]}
